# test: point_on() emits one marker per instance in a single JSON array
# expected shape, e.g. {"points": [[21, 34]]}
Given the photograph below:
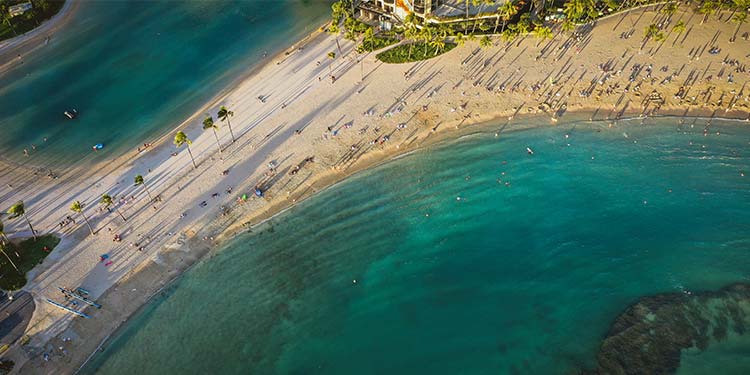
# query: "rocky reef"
{"points": [[650, 335]]}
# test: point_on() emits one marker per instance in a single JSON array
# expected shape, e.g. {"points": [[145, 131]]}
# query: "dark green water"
{"points": [[522, 278], [136, 69]]}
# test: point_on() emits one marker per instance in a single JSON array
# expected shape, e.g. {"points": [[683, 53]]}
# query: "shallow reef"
{"points": [[650, 335]]}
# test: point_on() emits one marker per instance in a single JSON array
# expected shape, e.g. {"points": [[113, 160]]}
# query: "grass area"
{"points": [[31, 253], [419, 52], [375, 44], [42, 11]]}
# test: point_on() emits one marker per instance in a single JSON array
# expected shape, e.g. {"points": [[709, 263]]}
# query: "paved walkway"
{"points": [[15, 316]]}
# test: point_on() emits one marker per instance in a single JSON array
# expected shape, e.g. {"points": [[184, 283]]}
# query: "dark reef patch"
{"points": [[650, 335]]}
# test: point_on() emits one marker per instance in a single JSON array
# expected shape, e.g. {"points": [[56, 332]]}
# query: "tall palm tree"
{"points": [[427, 34], [18, 210], [137, 181], [476, 16], [208, 123], [707, 8], [107, 201], [77, 207], [224, 114], [739, 17], [182, 139], [678, 29], [411, 32], [3, 241], [438, 43], [506, 12], [331, 55]]}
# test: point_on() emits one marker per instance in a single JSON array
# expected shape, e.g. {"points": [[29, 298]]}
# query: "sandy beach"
{"points": [[298, 131]]}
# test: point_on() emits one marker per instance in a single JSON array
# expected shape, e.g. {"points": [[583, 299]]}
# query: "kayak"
{"points": [[98, 146]]}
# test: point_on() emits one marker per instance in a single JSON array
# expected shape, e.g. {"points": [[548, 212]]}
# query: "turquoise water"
{"points": [[522, 278], [135, 69]]}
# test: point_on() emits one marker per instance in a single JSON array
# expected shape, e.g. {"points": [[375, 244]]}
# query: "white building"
{"points": [[19, 9]]}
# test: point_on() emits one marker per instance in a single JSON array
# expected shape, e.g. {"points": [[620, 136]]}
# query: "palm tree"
{"points": [[182, 139], [331, 55], [678, 29], [543, 32], [3, 241], [107, 201], [506, 12], [580, 10], [460, 39], [652, 31], [224, 115], [411, 32], [567, 25], [739, 17], [485, 42], [706, 8], [426, 34], [524, 24], [669, 9], [509, 34], [18, 210], [208, 123], [476, 16], [137, 181], [439, 45], [77, 207]]}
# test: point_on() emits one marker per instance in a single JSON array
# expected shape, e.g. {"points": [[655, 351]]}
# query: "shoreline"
{"points": [[334, 162], [470, 130], [21, 45], [162, 138]]}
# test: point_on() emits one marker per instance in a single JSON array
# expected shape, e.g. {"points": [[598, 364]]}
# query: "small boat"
{"points": [[98, 146], [73, 113], [73, 294], [68, 309], [529, 151]]}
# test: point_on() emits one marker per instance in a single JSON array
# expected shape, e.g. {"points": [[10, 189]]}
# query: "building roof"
{"points": [[457, 8], [21, 8]]}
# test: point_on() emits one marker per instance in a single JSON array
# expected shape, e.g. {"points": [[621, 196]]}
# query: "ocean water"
{"points": [[137, 69], [470, 257]]}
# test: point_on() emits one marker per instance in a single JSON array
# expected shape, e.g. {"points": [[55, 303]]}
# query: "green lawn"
{"points": [[42, 11], [31, 252], [419, 51]]}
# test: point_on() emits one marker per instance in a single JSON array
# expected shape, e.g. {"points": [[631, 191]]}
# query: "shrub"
{"points": [[419, 51]]}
